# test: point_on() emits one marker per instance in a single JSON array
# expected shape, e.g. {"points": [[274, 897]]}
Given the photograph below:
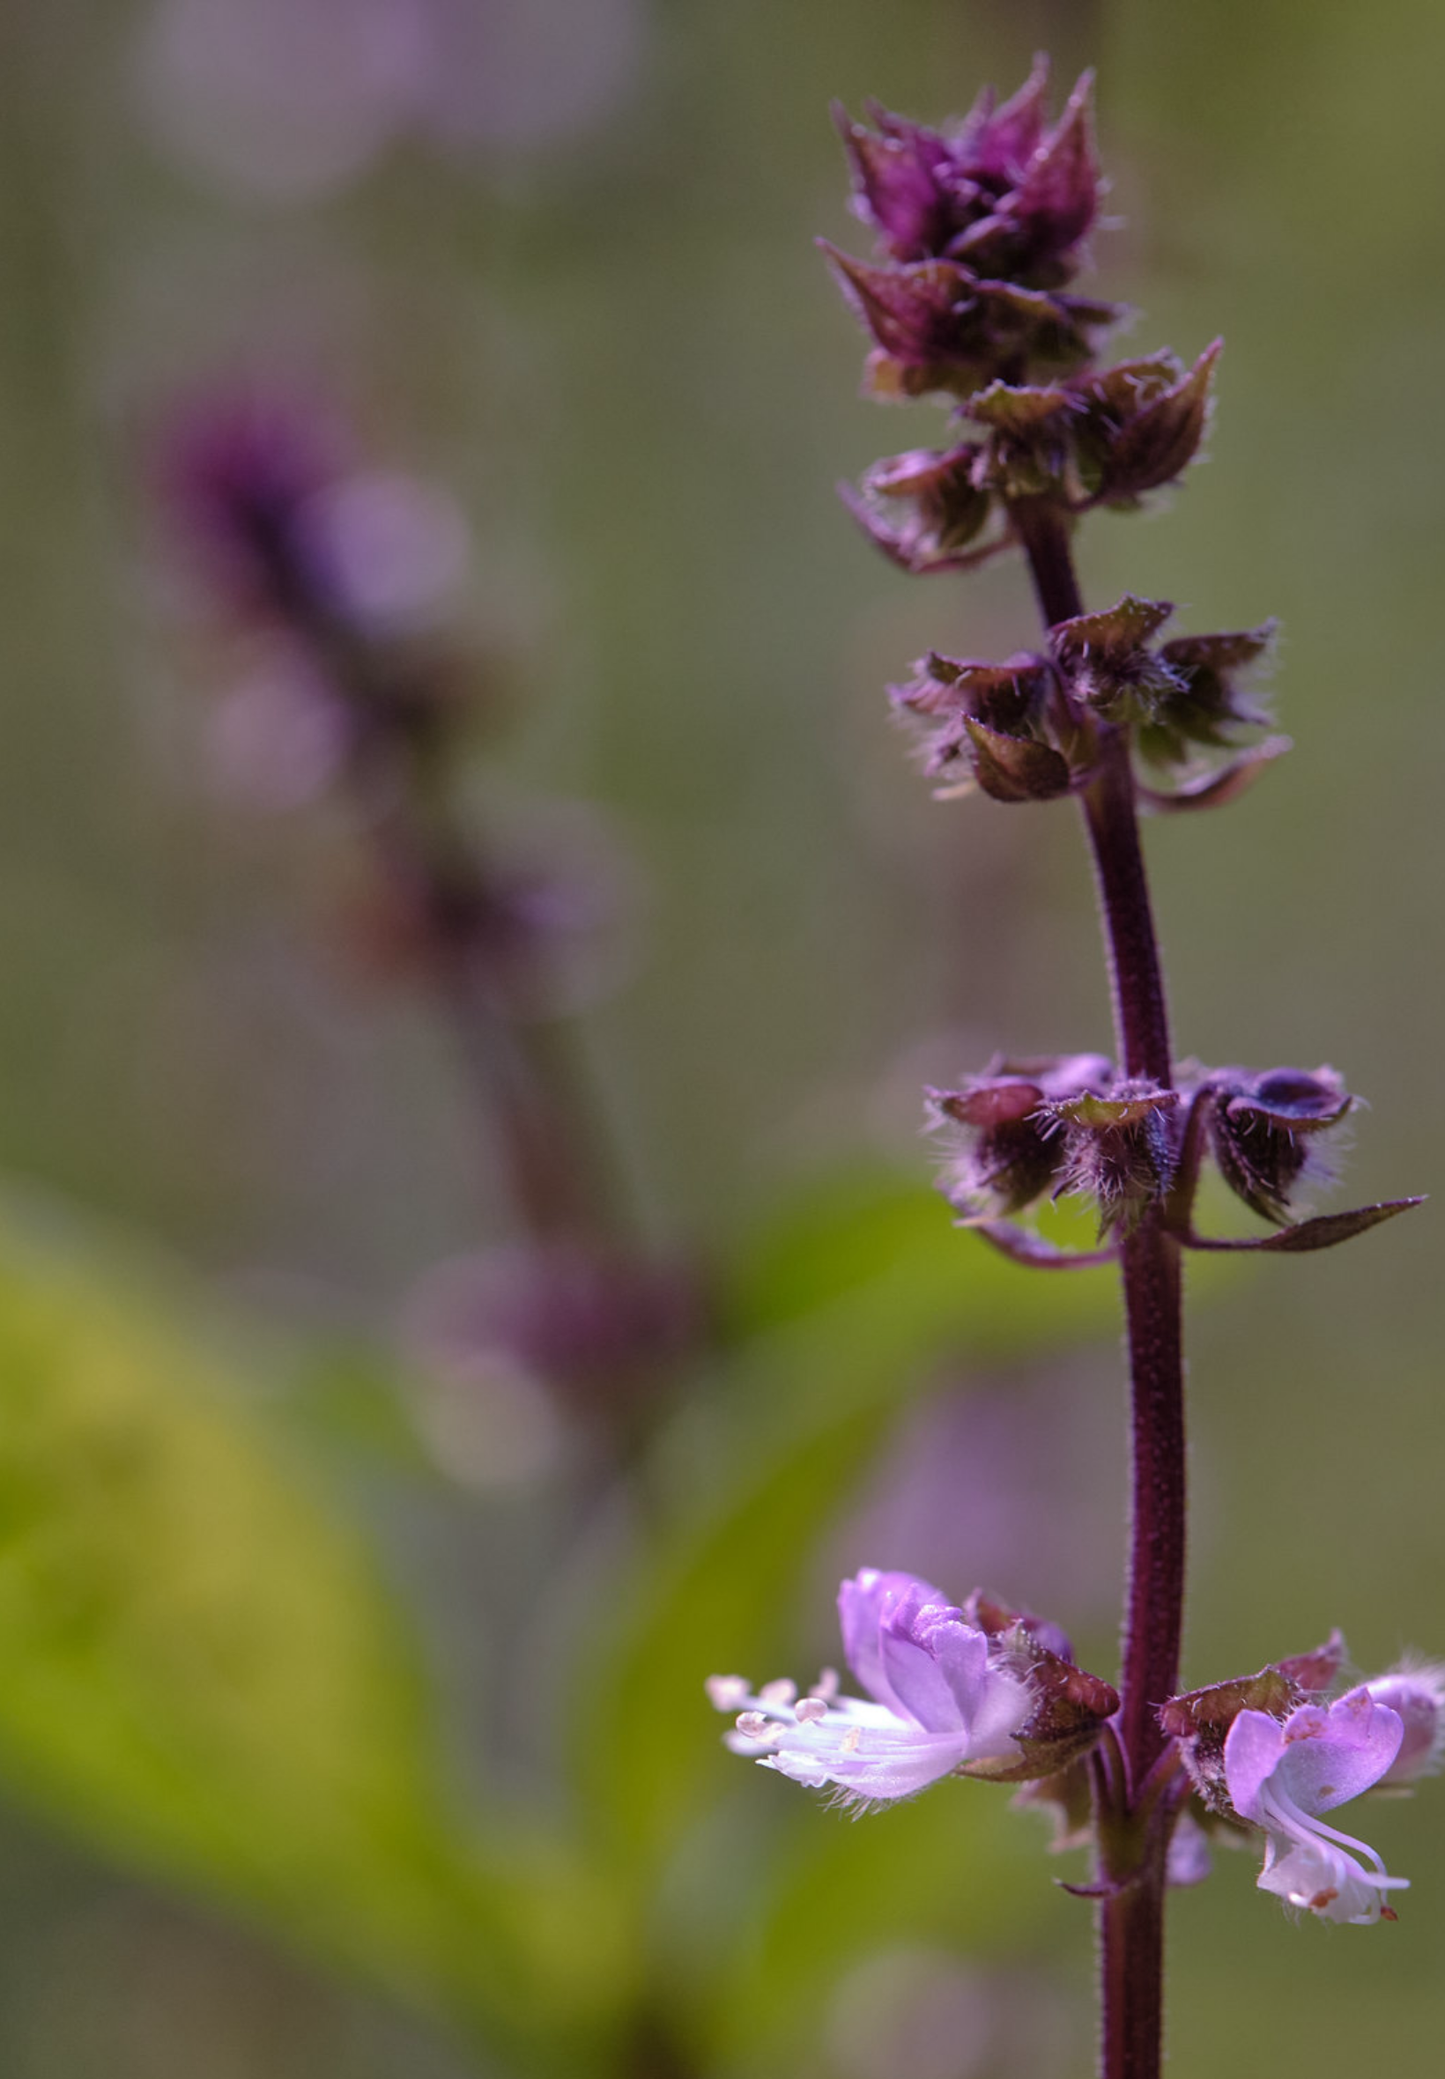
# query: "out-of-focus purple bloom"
{"points": [[238, 470], [281, 100], [1282, 1775], [263, 490], [584, 1324], [1189, 1860], [1415, 1692], [288, 101], [940, 1701]]}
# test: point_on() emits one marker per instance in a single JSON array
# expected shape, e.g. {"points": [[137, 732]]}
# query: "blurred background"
{"points": [[350, 1671]]}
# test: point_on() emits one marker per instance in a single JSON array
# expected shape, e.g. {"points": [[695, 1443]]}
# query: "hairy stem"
{"points": [[1132, 1919]]}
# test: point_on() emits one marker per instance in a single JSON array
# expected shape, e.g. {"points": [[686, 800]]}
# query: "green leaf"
{"points": [[204, 1675]]}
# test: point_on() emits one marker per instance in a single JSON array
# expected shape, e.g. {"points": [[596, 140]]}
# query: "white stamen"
{"points": [[780, 1692], [726, 1692], [810, 1710], [851, 1739], [826, 1685], [754, 1725]]}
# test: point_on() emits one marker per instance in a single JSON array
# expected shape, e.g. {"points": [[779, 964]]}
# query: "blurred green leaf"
{"points": [[839, 1314], [204, 1675], [958, 1870]]}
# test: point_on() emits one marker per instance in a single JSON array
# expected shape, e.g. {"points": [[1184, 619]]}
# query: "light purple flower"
{"points": [[1415, 1691], [1283, 1774], [938, 1701]]}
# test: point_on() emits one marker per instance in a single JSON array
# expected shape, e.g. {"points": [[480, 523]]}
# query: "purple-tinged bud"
{"points": [[997, 192], [997, 144], [1070, 1706], [1141, 423], [1040, 223], [1267, 1132], [1014, 769], [1415, 1692], [1029, 454], [938, 327], [1200, 1719], [1003, 727], [1008, 1153], [906, 183], [948, 509], [1200, 700], [1108, 659], [1119, 1151]]}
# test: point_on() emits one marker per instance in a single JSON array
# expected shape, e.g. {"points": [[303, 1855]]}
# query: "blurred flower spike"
{"points": [[1283, 1775], [945, 1697], [287, 526]]}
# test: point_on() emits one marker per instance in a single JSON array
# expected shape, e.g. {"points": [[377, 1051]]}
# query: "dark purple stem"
{"points": [[1131, 1846]]}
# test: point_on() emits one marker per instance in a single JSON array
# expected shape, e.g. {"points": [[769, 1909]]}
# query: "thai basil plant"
{"points": [[969, 302]]}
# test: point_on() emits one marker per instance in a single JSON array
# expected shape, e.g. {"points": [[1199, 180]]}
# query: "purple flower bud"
{"points": [[1120, 1151], [1282, 1776], [940, 1702], [1415, 1692], [1268, 1132], [1069, 1705], [939, 327], [1200, 700], [1139, 425], [1007, 728], [948, 509], [1008, 1153], [1108, 659], [998, 192]]}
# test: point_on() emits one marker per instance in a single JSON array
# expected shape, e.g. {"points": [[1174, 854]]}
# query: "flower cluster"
{"points": [[1067, 1125], [1272, 1753], [1028, 729], [980, 1690]]}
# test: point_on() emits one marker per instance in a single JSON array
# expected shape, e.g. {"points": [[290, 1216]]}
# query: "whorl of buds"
{"points": [[1059, 1124]]}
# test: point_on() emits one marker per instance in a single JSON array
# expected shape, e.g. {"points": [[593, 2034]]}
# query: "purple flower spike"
{"points": [[1282, 1776], [940, 1699]]}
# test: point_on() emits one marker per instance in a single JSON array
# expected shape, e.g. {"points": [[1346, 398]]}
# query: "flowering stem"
{"points": [[1131, 1854], [549, 1146]]}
